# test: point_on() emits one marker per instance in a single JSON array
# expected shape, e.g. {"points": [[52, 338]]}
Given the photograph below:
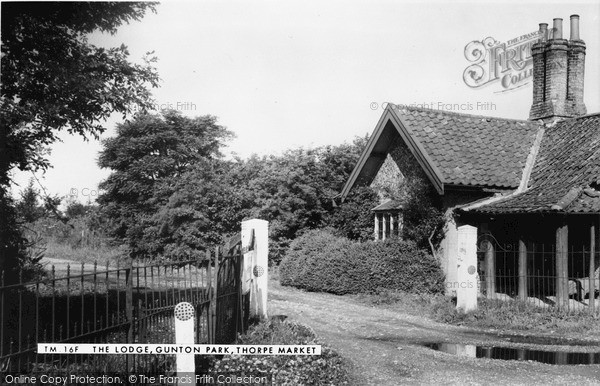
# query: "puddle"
{"points": [[518, 354], [546, 340]]}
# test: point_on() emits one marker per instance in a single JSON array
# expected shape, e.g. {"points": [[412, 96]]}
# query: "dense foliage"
{"points": [[53, 79], [78, 232], [295, 192], [329, 368], [321, 261], [165, 182], [201, 209], [423, 214], [172, 194], [353, 218], [28, 207], [13, 243]]}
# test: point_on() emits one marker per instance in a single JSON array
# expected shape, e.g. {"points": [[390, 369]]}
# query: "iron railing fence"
{"points": [[124, 303]]}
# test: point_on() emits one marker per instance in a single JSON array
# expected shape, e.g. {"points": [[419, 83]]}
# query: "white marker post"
{"points": [[466, 293], [184, 334], [255, 274]]}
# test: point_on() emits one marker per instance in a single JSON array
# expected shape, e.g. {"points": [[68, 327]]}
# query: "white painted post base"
{"points": [[255, 274], [466, 272], [184, 334]]}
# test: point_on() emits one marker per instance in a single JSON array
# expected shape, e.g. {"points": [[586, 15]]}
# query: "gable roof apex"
{"points": [[453, 149], [409, 108]]}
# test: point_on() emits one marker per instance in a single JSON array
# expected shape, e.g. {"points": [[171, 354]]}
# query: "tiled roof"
{"points": [[566, 174], [472, 150]]}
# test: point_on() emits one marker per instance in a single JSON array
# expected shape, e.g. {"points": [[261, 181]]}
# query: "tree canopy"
{"points": [[153, 158], [172, 194], [28, 207], [54, 79], [295, 192]]}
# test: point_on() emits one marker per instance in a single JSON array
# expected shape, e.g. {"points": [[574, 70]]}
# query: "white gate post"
{"points": [[466, 272], [255, 276], [184, 334]]}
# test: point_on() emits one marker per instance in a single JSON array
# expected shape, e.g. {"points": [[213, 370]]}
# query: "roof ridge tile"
{"points": [[425, 110]]}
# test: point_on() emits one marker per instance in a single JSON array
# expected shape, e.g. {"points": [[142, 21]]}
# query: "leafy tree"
{"points": [[75, 208], [295, 191], [53, 79], [172, 194], [28, 207], [151, 158], [204, 206], [12, 243]]}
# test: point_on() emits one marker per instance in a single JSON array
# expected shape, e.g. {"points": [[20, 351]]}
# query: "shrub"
{"points": [[329, 368], [17, 259], [298, 268], [321, 261], [277, 248]]}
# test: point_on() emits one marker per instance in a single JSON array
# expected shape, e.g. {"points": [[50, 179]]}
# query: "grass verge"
{"points": [[84, 254], [514, 315]]}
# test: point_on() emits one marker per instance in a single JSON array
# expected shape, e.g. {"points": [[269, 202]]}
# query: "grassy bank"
{"points": [[83, 254], [509, 316]]}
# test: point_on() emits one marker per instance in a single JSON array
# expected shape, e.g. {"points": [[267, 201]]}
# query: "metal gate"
{"points": [[231, 306], [120, 304]]}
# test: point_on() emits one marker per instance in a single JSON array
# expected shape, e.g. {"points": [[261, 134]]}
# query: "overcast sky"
{"points": [[295, 73]]}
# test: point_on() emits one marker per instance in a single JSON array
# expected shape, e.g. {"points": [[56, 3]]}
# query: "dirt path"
{"points": [[60, 265], [385, 346]]}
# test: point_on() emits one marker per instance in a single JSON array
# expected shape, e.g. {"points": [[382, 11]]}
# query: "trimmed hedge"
{"points": [[320, 261]]}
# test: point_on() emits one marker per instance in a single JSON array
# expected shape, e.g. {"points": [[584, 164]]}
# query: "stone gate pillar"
{"points": [[466, 270], [255, 267]]}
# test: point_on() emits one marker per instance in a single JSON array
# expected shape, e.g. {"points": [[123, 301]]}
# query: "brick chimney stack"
{"points": [[538, 53], [575, 71], [558, 70]]}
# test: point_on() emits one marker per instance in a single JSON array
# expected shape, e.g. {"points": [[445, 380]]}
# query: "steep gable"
{"points": [[452, 149]]}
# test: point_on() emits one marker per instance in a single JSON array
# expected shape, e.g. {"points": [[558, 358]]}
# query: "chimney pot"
{"points": [[557, 28], [574, 27], [543, 32], [558, 73]]}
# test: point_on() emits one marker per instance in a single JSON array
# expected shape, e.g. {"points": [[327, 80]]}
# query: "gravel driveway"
{"points": [[386, 346]]}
